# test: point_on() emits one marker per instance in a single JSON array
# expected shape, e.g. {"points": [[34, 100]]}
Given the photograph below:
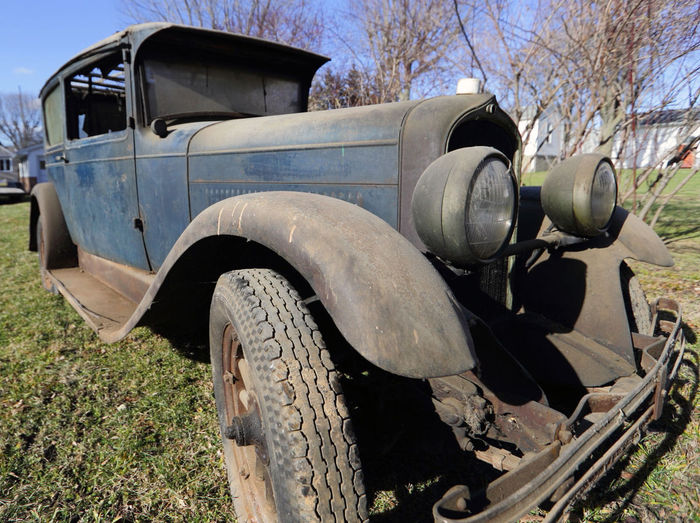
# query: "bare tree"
{"points": [[20, 119], [336, 89], [512, 40], [601, 66], [407, 46], [293, 22], [623, 58], [625, 61]]}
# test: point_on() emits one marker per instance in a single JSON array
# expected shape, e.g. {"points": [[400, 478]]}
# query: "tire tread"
{"points": [[312, 441]]}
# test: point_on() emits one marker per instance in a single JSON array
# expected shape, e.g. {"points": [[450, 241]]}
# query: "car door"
{"points": [[95, 170]]}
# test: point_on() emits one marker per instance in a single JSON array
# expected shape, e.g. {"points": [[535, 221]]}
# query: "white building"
{"points": [[6, 164], [9, 183], [661, 133], [32, 167], [656, 138], [543, 146]]}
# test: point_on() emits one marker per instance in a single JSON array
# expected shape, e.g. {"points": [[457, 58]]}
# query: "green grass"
{"points": [[127, 432], [96, 432]]}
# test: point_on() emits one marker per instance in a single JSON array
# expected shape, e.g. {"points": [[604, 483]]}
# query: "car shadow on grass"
{"points": [[676, 417], [13, 200], [188, 334]]}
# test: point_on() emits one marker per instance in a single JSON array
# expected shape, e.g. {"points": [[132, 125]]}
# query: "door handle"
{"points": [[61, 158]]}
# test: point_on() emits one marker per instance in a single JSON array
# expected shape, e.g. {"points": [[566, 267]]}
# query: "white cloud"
{"points": [[22, 70]]}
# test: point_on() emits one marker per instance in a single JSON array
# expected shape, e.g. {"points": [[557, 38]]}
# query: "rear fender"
{"points": [[59, 250]]}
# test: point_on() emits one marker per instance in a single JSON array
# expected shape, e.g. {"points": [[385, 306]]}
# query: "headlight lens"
{"points": [[464, 205], [603, 195], [490, 208], [579, 194]]}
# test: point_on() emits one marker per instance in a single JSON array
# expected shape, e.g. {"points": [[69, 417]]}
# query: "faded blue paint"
{"points": [[161, 173], [97, 188], [340, 127], [379, 200], [374, 164], [352, 155]]}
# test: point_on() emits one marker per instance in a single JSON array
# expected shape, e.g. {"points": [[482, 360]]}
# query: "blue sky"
{"points": [[38, 36]]}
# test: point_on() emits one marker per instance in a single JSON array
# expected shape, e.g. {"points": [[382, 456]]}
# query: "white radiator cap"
{"points": [[468, 86]]}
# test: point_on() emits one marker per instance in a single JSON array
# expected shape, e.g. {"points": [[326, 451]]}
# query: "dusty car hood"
{"points": [[353, 154], [350, 154], [340, 127]]}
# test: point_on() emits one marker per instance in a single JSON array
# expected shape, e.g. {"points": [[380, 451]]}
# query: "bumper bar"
{"points": [[549, 475]]}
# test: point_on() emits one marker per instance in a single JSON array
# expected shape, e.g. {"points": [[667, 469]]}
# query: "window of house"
{"points": [[53, 117], [96, 99]]}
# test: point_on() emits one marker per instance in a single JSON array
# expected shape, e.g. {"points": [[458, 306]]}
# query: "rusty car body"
{"points": [[186, 175]]}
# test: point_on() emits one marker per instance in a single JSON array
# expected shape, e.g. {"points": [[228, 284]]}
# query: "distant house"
{"points": [[32, 166], [659, 133], [6, 164], [543, 146], [9, 184]]}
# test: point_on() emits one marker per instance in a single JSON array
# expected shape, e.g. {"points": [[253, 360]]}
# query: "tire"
{"points": [[270, 365], [41, 248], [636, 304]]}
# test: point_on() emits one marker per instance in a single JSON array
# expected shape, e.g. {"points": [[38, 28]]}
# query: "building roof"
{"points": [[670, 116], [25, 151], [5, 152]]}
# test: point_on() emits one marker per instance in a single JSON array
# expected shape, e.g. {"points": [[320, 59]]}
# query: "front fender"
{"points": [[383, 295], [580, 287], [632, 238]]}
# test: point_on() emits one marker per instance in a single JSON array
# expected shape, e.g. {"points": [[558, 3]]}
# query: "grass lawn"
{"points": [[97, 432], [128, 432]]}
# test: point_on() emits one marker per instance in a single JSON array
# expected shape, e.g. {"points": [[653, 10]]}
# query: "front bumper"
{"points": [[562, 473]]}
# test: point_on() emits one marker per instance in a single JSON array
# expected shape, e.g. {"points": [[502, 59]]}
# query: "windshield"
{"points": [[178, 84]]}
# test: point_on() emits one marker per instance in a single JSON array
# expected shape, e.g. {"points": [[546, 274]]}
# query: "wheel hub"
{"points": [[244, 429]]}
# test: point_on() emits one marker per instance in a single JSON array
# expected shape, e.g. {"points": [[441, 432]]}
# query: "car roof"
{"points": [[139, 33]]}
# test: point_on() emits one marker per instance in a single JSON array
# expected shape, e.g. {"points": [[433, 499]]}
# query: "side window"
{"points": [[96, 99], [53, 117]]}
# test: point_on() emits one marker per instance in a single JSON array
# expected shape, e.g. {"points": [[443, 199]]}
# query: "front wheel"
{"points": [[289, 448], [636, 304]]}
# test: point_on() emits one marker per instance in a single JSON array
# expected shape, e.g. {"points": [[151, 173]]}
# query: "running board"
{"points": [[105, 293], [104, 309]]}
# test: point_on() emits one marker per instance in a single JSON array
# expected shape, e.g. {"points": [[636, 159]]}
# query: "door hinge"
{"points": [[138, 224], [132, 123], [126, 55]]}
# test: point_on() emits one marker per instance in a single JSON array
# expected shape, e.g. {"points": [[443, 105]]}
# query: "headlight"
{"points": [[579, 194], [464, 205]]}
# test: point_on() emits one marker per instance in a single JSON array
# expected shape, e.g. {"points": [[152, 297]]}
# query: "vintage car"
{"points": [[10, 186], [187, 181]]}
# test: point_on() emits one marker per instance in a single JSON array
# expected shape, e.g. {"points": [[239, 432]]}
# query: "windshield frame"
{"points": [[250, 56]]}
